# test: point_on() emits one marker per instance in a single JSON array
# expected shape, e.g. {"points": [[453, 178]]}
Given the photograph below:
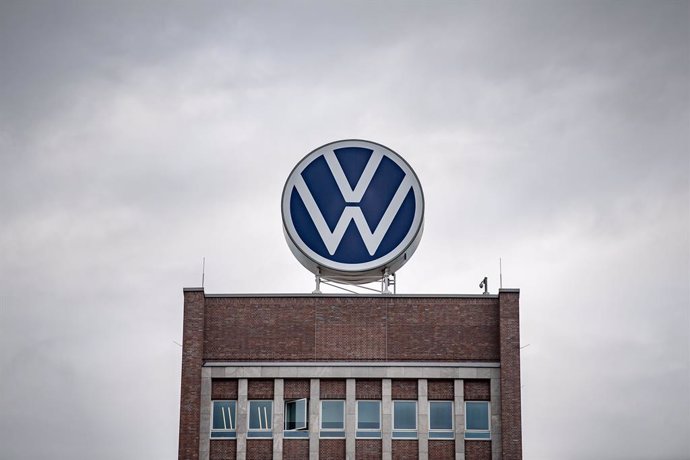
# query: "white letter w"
{"points": [[372, 240]]}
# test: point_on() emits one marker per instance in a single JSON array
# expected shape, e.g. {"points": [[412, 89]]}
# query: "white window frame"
{"points": [[406, 430], [306, 414], [249, 416], [358, 429], [488, 414], [232, 431], [452, 420], [321, 428]]}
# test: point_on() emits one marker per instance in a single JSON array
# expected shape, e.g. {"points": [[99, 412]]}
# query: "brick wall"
{"points": [[477, 390], [511, 420], [368, 389], [260, 388], [192, 360], [478, 450], [295, 449], [405, 450], [224, 389], [223, 449], [441, 390], [332, 389], [442, 450], [351, 329], [404, 389], [332, 449], [259, 449], [296, 388], [368, 449]]}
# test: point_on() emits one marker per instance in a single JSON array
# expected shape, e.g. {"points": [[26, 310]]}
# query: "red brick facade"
{"points": [[481, 329], [332, 449], [296, 388], [368, 449], [332, 389], [351, 329], [404, 389], [224, 389], [477, 390], [223, 449], [368, 389], [405, 450], [442, 450], [295, 449], [478, 450], [259, 449], [441, 390]]}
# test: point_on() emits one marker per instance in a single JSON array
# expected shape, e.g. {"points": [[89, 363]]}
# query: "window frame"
{"points": [[358, 430], [441, 431], [332, 433], [475, 431], [306, 414], [405, 430], [230, 433], [259, 432]]}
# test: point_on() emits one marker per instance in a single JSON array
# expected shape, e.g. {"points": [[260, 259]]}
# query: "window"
{"points": [[368, 419], [223, 419], [441, 420], [477, 420], [332, 419], [296, 419], [260, 419], [404, 419]]}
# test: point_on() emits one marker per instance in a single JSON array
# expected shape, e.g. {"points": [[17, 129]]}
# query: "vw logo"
{"points": [[353, 209]]}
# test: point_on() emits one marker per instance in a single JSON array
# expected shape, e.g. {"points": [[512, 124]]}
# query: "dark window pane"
{"points": [[405, 415], [441, 415], [332, 415], [477, 414], [223, 415], [369, 415], [260, 415]]}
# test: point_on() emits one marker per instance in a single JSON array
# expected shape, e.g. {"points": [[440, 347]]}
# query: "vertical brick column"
{"points": [[509, 328], [192, 360]]}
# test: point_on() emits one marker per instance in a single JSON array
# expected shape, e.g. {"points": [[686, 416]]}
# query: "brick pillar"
{"points": [[511, 420], [192, 360]]}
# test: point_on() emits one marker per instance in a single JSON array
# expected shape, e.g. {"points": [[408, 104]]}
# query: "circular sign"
{"points": [[353, 209]]}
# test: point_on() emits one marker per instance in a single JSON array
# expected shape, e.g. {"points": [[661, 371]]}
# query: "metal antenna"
{"points": [[203, 271], [500, 274]]}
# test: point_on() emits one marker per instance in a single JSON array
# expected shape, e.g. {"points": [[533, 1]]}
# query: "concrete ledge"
{"points": [[410, 364]]}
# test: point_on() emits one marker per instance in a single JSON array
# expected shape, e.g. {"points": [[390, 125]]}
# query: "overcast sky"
{"points": [[138, 137]]}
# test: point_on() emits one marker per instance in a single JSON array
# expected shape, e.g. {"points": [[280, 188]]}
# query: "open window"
{"points": [[223, 420], [260, 419], [296, 419], [441, 424], [477, 420], [332, 419]]}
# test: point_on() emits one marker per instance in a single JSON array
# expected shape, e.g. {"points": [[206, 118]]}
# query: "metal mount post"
{"points": [[317, 279]]}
